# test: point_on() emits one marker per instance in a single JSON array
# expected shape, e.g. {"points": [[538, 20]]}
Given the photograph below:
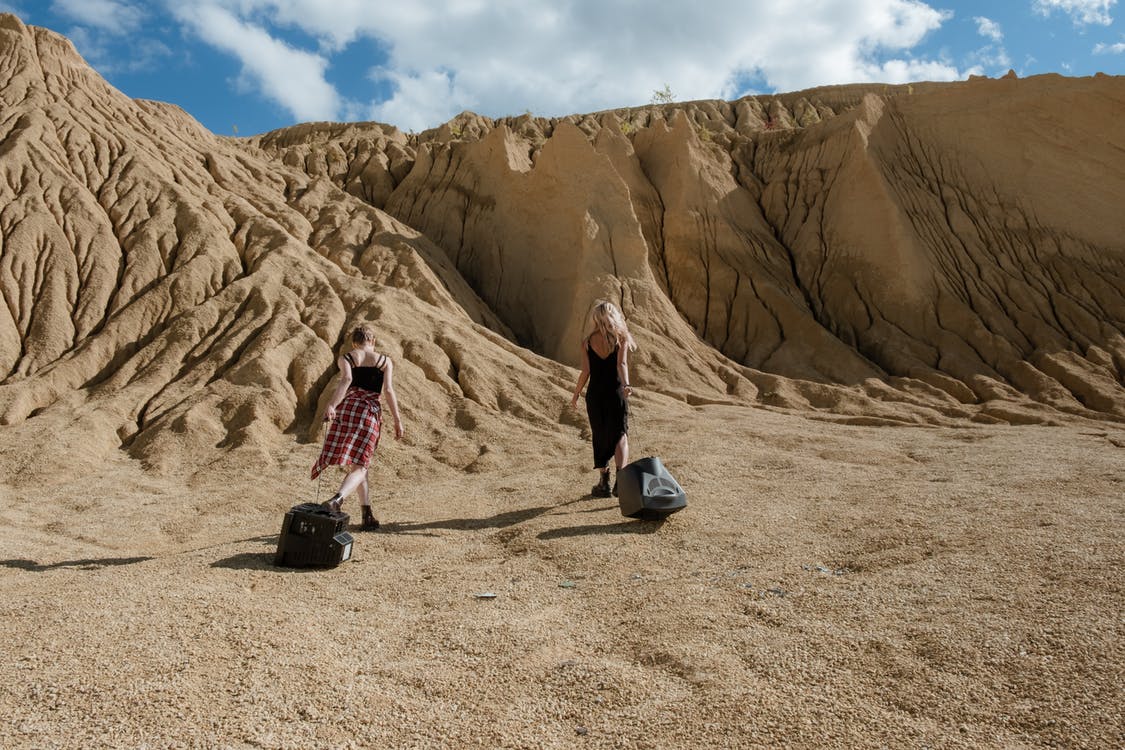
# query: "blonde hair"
{"points": [[363, 335], [608, 320]]}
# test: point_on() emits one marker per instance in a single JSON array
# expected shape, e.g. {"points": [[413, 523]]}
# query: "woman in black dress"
{"points": [[605, 364]]}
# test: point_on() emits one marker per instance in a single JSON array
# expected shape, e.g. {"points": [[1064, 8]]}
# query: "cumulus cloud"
{"points": [[291, 77], [1109, 49], [334, 22], [992, 57], [114, 16], [553, 61], [101, 25], [100, 49], [1082, 12], [986, 27], [444, 56]]}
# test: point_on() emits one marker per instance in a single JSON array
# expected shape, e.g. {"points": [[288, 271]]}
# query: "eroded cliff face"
{"points": [[879, 254], [168, 293], [957, 241]]}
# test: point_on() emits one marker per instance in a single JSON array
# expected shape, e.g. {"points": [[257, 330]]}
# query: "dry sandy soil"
{"points": [[828, 586]]}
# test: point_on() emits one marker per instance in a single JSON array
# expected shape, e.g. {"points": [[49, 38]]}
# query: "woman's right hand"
{"points": [[574, 401], [330, 414]]}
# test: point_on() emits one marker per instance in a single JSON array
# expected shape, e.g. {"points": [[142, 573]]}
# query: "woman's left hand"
{"points": [[627, 391], [330, 414]]}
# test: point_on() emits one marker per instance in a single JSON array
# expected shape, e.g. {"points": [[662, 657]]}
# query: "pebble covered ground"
{"points": [[828, 586]]}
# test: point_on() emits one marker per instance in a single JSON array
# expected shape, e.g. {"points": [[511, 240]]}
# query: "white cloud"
{"points": [[291, 77], [1109, 49], [607, 55], [904, 71], [992, 58], [334, 22], [9, 8], [430, 91], [114, 16], [1081, 11], [101, 27], [101, 50], [988, 28], [444, 56]]}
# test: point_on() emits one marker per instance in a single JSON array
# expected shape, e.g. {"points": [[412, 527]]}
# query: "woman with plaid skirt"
{"points": [[355, 417]]}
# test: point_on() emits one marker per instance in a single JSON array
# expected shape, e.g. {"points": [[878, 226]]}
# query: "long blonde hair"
{"points": [[608, 320]]}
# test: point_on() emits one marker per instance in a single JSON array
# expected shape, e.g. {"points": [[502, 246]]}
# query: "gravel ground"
{"points": [[828, 586]]}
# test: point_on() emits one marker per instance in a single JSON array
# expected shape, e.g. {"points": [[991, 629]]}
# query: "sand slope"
{"points": [[963, 236], [802, 272]]}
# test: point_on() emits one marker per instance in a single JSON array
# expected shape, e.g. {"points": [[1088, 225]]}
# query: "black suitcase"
{"points": [[313, 536], [646, 490]]}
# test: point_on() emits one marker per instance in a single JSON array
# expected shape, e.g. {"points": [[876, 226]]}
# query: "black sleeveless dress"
{"points": [[606, 406]]}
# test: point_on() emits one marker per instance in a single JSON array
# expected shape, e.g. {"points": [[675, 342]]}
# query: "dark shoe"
{"points": [[601, 489], [369, 520], [333, 504]]}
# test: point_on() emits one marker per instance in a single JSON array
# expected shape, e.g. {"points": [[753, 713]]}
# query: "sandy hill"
{"points": [[802, 272], [958, 243]]}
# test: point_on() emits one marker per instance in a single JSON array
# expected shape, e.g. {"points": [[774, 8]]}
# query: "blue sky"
{"points": [[249, 66]]}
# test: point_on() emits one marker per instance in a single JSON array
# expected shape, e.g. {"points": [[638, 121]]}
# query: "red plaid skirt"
{"points": [[354, 434]]}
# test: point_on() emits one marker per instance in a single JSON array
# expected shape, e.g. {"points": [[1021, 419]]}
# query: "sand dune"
{"points": [[803, 272]]}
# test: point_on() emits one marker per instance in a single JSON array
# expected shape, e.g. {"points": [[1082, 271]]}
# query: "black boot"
{"points": [[601, 489], [333, 504], [369, 520]]}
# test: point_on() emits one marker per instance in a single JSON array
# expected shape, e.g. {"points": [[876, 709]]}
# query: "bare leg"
{"points": [[369, 521], [621, 452], [364, 497], [620, 459], [357, 475]]}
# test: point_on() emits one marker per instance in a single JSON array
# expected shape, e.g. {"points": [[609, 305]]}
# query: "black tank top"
{"points": [[603, 372], [368, 378]]}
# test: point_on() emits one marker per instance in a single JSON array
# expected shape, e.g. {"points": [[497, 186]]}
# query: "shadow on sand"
{"points": [[86, 564], [498, 521], [260, 561], [254, 560], [622, 527], [264, 560]]}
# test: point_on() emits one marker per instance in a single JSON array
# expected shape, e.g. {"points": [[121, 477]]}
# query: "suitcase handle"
{"points": [[660, 487]]}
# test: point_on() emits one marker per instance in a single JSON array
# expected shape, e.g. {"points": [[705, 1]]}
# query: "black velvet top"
{"points": [[368, 378]]}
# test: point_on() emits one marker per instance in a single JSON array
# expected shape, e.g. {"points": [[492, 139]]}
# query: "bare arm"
{"points": [[623, 369], [582, 377], [341, 388], [392, 400]]}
